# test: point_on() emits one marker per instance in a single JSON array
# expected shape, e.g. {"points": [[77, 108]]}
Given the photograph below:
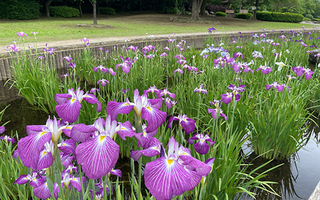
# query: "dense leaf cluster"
{"points": [[243, 15], [19, 9], [64, 11], [279, 17]]}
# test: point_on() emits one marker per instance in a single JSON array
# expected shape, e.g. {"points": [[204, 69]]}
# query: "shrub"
{"points": [[243, 15], [221, 14], [64, 11], [279, 17], [306, 19], [21, 10], [107, 11], [316, 19], [309, 16]]}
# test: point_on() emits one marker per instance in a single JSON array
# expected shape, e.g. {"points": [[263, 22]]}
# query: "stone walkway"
{"points": [[112, 40]]}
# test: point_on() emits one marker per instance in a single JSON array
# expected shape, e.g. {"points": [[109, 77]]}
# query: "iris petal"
{"points": [[97, 156], [154, 117], [69, 111], [114, 108]]}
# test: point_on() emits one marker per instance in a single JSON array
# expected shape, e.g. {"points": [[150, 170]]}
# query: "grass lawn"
{"points": [[55, 29]]}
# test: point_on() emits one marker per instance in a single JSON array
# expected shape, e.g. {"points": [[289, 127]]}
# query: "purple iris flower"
{"points": [[277, 86], [178, 70], [103, 82], [282, 37], [247, 69], [126, 64], [94, 90], [72, 65], [201, 147], [264, 69], [145, 108], [67, 178], [165, 92], [86, 41], [179, 57], [40, 57], [168, 102], [152, 89], [67, 58], [65, 75], [298, 70], [257, 54], [49, 50], [211, 30], [214, 113], [226, 98], [290, 77], [163, 54], [33, 179], [98, 153], [7, 139], [113, 73], [308, 73], [124, 91], [174, 173], [133, 48], [21, 34], [200, 90], [166, 48], [236, 55], [185, 122], [35, 150], [69, 110], [101, 68]]}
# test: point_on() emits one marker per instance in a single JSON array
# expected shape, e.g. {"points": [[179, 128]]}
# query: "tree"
{"points": [[94, 4], [196, 5]]}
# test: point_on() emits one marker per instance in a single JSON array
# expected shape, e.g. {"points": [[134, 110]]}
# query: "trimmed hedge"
{"points": [[107, 11], [220, 14], [243, 15], [309, 16], [306, 19], [279, 17], [20, 10], [63, 11]]}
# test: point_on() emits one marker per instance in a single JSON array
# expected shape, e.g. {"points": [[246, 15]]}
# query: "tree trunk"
{"points": [[203, 7], [255, 12], [47, 7], [95, 14], [196, 4], [80, 8]]}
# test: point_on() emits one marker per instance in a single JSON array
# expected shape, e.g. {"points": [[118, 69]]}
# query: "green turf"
{"points": [[55, 29]]}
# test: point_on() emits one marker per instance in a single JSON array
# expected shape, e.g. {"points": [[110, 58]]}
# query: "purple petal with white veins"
{"points": [[209, 161], [201, 148], [171, 119], [166, 179], [154, 117], [280, 87], [149, 152], [45, 160], [116, 172], [156, 103], [67, 146], [76, 182], [42, 191], [126, 130], [82, 132], [97, 156], [62, 98], [114, 108], [193, 138], [56, 190], [200, 167], [32, 129], [15, 154], [37, 182], [213, 112], [237, 97], [67, 130], [225, 99], [169, 105], [22, 179], [67, 160], [90, 98], [188, 125], [69, 111], [29, 148], [195, 179]]}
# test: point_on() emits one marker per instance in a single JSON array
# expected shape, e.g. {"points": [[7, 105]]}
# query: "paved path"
{"points": [[103, 41]]}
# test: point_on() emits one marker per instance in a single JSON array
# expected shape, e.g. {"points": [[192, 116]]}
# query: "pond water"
{"points": [[296, 178]]}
